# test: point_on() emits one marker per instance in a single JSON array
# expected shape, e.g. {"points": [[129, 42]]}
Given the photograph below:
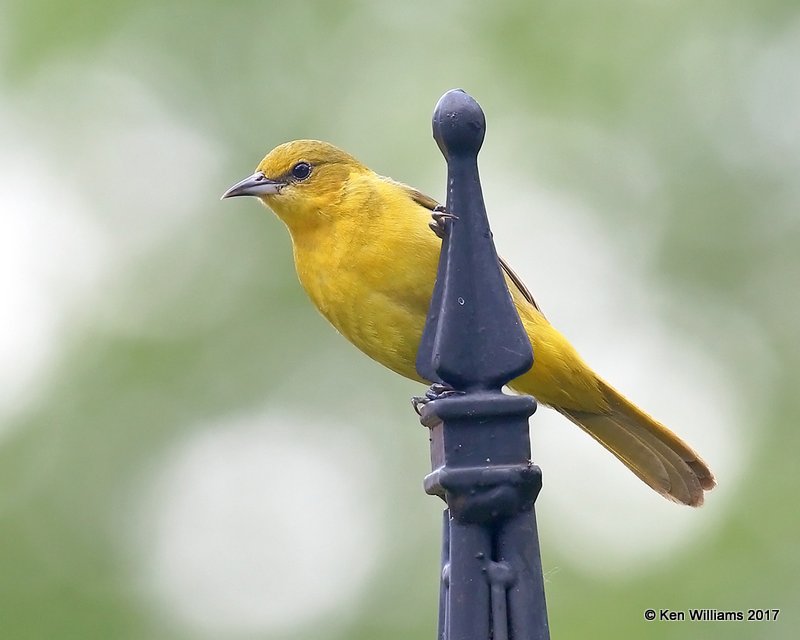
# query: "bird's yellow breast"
{"points": [[368, 261], [370, 270]]}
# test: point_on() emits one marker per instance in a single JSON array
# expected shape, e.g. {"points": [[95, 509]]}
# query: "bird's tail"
{"points": [[655, 454]]}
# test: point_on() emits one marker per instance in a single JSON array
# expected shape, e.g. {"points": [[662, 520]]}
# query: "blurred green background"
{"points": [[187, 450]]}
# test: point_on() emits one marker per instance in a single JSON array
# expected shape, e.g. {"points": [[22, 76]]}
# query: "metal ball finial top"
{"points": [[458, 124]]}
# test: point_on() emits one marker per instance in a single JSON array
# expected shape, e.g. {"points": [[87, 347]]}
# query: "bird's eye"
{"points": [[301, 171]]}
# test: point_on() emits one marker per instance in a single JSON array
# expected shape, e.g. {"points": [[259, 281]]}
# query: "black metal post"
{"points": [[474, 342]]}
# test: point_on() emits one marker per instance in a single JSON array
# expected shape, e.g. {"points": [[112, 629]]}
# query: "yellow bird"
{"points": [[367, 258]]}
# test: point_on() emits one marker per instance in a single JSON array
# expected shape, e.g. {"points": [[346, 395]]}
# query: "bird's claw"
{"points": [[440, 218], [436, 391]]}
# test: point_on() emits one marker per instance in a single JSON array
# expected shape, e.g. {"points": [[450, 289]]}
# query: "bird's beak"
{"points": [[256, 185]]}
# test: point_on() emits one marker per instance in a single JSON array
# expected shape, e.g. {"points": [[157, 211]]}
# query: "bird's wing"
{"points": [[431, 204], [519, 284]]}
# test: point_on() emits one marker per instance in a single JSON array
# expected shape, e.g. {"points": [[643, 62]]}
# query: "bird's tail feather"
{"points": [[655, 454]]}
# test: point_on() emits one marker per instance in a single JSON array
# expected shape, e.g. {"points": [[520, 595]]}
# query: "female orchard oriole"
{"points": [[366, 256]]}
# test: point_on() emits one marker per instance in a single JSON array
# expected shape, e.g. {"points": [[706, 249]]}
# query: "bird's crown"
{"points": [[280, 162]]}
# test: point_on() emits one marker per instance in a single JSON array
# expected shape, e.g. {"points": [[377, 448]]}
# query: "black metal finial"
{"points": [[471, 298], [459, 125], [491, 581]]}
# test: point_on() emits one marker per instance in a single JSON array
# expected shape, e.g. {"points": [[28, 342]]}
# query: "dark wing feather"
{"points": [[431, 204], [519, 284]]}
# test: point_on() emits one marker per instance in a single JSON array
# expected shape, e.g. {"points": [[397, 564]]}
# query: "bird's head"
{"points": [[298, 179]]}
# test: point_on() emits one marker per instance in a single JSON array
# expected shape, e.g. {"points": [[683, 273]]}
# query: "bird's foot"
{"points": [[440, 218], [436, 391]]}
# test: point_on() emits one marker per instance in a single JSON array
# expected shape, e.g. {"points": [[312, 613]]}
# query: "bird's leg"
{"points": [[436, 391], [440, 218]]}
